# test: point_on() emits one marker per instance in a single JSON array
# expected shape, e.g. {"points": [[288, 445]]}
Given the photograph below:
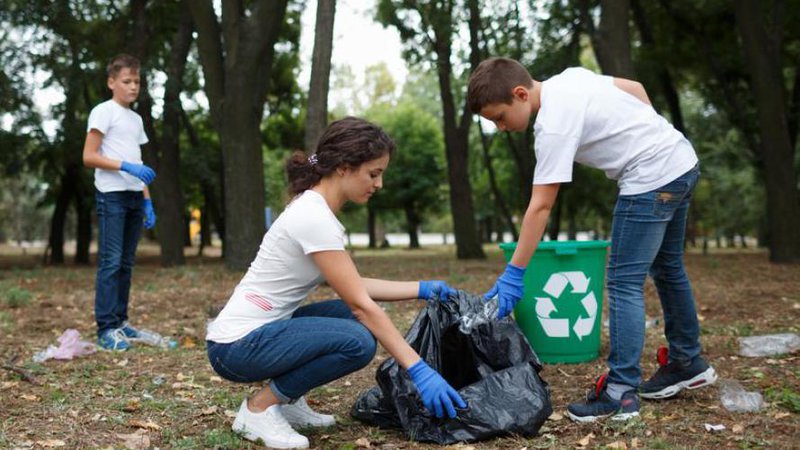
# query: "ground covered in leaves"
{"points": [[153, 398]]}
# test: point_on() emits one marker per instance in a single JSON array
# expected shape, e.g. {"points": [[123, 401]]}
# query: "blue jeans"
{"points": [[647, 236], [320, 343], [119, 225]]}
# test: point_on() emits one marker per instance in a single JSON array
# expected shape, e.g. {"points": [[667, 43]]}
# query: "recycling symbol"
{"points": [[554, 288]]}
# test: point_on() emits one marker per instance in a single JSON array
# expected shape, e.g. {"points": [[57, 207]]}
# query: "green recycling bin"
{"points": [[561, 309]]}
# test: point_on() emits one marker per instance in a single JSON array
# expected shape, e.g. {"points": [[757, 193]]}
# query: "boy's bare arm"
{"points": [[534, 222], [634, 88], [91, 153]]}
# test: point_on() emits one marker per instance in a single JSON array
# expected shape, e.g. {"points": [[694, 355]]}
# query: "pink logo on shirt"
{"points": [[258, 300]]}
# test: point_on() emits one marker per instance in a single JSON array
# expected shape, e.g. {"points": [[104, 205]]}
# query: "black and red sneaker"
{"points": [[599, 405], [675, 376]]}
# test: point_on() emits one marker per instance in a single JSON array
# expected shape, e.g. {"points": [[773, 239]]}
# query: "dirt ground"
{"points": [[171, 399]]}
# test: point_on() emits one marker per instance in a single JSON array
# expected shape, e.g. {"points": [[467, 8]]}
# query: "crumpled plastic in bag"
{"points": [[70, 346], [490, 364]]}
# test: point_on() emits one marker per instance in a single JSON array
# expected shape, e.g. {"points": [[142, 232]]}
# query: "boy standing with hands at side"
{"points": [[114, 136], [608, 123]]}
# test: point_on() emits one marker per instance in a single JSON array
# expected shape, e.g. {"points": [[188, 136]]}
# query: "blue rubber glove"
{"points": [[140, 171], [508, 288], [429, 288], [149, 214], [437, 395]]}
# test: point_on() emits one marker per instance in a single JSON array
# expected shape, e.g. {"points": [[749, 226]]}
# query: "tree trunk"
{"points": [[611, 41], [412, 226], [317, 114], [520, 150], [762, 49], [83, 239], [237, 56], [496, 192], [167, 188], [371, 228], [58, 220], [664, 77], [163, 153], [456, 138]]}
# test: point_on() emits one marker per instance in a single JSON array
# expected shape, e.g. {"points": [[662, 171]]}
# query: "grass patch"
{"points": [[6, 322], [16, 297], [786, 398]]}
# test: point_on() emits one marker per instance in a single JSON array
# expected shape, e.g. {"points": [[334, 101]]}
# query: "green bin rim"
{"points": [[552, 245]]}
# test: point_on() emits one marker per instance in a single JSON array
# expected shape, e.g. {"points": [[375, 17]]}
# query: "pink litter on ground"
{"points": [[70, 347]]}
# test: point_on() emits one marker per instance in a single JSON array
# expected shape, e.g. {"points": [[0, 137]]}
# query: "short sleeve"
{"points": [[142, 134], [99, 119], [319, 233], [555, 156]]}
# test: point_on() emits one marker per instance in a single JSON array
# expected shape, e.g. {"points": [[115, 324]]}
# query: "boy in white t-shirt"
{"points": [[113, 139], [608, 123]]}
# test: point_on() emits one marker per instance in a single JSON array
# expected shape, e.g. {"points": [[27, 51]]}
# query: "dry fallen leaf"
{"points": [[30, 397], [149, 425], [50, 443], [618, 445], [132, 406], [737, 428], [555, 417], [188, 342], [635, 443], [138, 440], [781, 415], [210, 410], [586, 439], [363, 442]]}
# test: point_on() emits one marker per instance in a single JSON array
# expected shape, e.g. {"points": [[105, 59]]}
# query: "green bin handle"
{"points": [[566, 250]]}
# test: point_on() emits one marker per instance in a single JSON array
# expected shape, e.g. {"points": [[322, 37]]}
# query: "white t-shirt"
{"points": [[283, 273], [585, 118], [123, 134]]}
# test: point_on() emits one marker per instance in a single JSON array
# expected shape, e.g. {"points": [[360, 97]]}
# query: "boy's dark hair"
{"points": [[122, 61], [347, 142], [493, 80]]}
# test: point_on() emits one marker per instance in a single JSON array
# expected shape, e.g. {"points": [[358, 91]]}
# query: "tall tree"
{"points": [[762, 45], [149, 27], [317, 115], [236, 53], [429, 29], [611, 39]]}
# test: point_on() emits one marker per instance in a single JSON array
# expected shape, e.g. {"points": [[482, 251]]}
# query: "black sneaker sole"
{"points": [[706, 378]]}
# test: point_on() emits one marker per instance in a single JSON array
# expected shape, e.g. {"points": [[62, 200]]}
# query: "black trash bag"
{"points": [[493, 368]]}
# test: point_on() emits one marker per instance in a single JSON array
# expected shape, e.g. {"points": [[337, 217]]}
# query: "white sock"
{"points": [[615, 390]]}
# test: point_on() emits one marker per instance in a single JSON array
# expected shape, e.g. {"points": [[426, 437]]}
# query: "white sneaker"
{"points": [[300, 414], [268, 426]]}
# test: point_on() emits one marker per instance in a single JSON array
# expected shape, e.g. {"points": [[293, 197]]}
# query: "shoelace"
{"points": [[118, 335]]}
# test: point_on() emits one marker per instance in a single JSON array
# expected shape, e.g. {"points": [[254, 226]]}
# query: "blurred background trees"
{"points": [[223, 109]]}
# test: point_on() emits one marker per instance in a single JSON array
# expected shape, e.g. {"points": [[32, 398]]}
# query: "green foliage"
{"points": [[15, 297], [416, 172], [786, 398]]}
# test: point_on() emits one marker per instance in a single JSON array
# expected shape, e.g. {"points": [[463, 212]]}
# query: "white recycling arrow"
{"points": [[545, 306], [555, 285], [583, 325], [578, 281]]}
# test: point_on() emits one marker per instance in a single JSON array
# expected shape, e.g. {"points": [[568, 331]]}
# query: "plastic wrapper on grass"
{"points": [[493, 368]]}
